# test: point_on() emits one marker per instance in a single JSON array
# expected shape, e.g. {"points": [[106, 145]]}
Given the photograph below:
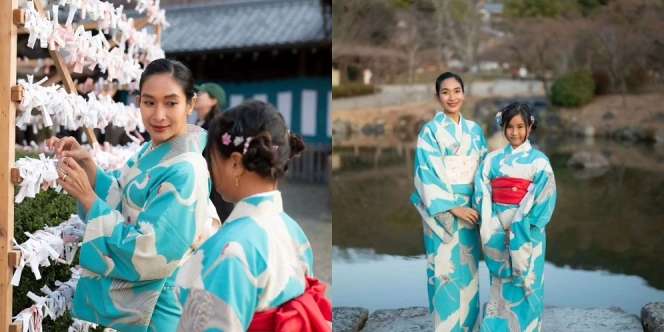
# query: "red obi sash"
{"points": [[509, 190], [310, 312]]}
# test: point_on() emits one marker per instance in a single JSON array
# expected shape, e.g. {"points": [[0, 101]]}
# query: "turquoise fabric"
{"points": [[452, 245], [514, 238], [146, 219], [256, 262]]}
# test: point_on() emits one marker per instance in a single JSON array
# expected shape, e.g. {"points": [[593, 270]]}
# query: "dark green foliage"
{"points": [[48, 208], [353, 89], [573, 89]]}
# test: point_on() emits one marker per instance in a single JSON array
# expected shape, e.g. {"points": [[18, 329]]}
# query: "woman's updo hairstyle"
{"points": [[180, 73], [513, 109], [257, 131]]}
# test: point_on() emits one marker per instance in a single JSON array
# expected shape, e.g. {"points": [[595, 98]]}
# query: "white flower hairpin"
{"points": [[499, 116]]}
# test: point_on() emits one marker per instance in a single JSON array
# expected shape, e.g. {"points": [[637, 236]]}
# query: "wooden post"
{"points": [[7, 131]]}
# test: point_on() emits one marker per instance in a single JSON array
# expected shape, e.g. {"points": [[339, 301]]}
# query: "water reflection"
{"points": [[389, 281], [603, 242]]}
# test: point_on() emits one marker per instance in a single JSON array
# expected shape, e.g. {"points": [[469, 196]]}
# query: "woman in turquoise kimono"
{"points": [[515, 192], [449, 149], [145, 219], [256, 272]]}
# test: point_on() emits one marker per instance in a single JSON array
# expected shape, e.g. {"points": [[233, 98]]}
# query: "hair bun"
{"points": [[260, 157], [296, 144]]}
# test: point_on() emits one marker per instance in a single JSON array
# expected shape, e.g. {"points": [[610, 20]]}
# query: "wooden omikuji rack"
{"points": [[12, 20]]}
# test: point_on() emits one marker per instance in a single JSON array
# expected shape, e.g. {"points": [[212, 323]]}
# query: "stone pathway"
{"points": [[556, 319]]}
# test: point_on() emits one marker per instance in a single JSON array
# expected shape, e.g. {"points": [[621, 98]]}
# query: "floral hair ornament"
{"points": [[246, 144], [499, 116], [227, 139]]}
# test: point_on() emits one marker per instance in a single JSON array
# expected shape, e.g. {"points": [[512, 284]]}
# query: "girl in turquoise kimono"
{"points": [[449, 149], [145, 219], [515, 192], [255, 273]]}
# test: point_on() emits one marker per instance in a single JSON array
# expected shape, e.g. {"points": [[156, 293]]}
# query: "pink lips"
{"points": [[159, 128]]}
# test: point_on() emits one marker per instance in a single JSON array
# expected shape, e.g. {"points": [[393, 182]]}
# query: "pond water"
{"points": [[604, 242]]}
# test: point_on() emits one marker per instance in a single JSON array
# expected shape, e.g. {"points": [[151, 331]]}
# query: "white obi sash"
{"points": [[460, 169]]}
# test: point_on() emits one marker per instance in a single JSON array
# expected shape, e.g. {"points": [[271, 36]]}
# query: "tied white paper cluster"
{"points": [[111, 20], [57, 244], [53, 304], [47, 106], [40, 174], [155, 15], [80, 48], [112, 158], [37, 174]]}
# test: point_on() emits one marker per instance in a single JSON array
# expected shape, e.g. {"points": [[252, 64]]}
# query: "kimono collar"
{"points": [[266, 203], [525, 147], [194, 140], [447, 121]]}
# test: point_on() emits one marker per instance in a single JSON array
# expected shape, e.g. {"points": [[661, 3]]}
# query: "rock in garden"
{"points": [[414, 319], [588, 159], [402, 128], [348, 319], [341, 130], [374, 129], [589, 131], [589, 320], [652, 316], [659, 136], [658, 117]]}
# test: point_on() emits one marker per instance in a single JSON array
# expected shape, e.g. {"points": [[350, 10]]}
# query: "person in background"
{"points": [[211, 99]]}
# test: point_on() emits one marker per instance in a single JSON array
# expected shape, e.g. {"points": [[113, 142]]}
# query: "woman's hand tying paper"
{"points": [[74, 180], [69, 147]]}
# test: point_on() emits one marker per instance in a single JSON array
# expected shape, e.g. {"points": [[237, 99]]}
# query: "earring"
{"points": [[237, 181]]}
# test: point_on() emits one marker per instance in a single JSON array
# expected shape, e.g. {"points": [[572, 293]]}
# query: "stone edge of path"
{"points": [[355, 319]]}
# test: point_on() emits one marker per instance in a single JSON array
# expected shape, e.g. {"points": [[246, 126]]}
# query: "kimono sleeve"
{"points": [[482, 191], [163, 232], [220, 286], [107, 188], [436, 195], [482, 145], [544, 198]]}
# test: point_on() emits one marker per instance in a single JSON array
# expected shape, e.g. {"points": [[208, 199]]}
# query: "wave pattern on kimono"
{"points": [[257, 261], [513, 237], [147, 218], [446, 157]]}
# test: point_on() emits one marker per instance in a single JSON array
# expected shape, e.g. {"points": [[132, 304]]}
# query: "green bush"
{"points": [[573, 89], [352, 90], [47, 208]]}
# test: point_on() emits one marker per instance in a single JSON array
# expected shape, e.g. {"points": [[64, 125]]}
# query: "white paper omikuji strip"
{"points": [[53, 304], [111, 158], [40, 174], [37, 174], [56, 107], [83, 326], [114, 22], [81, 47], [155, 15], [51, 244]]}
